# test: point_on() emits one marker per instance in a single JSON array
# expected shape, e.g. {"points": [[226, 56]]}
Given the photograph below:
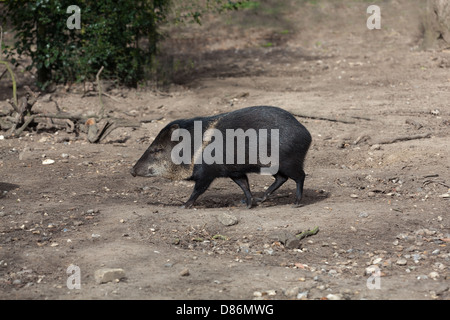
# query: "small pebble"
{"points": [[401, 262], [302, 295], [105, 275], [291, 292], [48, 161], [377, 261], [433, 275], [375, 147], [363, 215], [184, 272]]}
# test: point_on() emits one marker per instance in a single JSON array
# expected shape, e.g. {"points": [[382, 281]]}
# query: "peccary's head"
{"points": [[156, 160]]}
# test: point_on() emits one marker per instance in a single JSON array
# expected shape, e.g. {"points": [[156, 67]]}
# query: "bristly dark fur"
{"points": [[294, 142]]}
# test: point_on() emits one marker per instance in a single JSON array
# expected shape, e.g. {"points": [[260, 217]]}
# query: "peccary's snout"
{"points": [[133, 172]]}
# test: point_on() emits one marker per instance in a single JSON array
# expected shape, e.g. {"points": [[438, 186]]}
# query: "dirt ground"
{"points": [[378, 201]]}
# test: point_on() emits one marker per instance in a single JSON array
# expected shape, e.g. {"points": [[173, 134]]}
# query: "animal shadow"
{"points": [[6, 187]]}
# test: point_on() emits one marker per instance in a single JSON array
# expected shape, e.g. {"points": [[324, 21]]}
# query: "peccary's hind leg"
{"points": [[199, 188], [242, 181], [300, 181], [279, 180]]}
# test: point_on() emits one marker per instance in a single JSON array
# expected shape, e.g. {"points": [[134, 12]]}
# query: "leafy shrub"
{"points": [[119, 35]]}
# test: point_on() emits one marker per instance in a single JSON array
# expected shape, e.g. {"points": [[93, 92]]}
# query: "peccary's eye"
{"points": [[157, 150]]}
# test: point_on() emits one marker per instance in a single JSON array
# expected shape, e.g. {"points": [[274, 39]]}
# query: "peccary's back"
{"points": [[294, 137]]}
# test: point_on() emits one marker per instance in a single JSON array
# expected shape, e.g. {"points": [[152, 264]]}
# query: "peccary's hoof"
{"points": [[186, 206], [260, 200], [297, 205], [249, 204]]}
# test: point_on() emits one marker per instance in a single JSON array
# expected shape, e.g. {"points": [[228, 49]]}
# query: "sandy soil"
{"points": [[377, 201]]}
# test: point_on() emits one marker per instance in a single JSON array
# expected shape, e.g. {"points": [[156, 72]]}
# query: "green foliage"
{"points": [[194, 10], [119, 35]]}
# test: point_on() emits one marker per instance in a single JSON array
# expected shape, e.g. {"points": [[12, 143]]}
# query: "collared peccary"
{"points": [[230, 145]]}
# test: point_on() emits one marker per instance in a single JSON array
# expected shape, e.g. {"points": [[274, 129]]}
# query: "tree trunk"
{"points": [[44, 75], [437, 23]]}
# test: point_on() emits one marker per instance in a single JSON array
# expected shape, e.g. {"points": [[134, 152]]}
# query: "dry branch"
{"points": [[99, 87], [13, 79], [403, 138], [22, 117], [347, 121]]}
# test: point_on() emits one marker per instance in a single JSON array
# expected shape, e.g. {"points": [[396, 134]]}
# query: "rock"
{"points": [[371, 270], [26, 154], [416, 257], [270, 292], [363, 214], [433, 275], [375, 147], [332, 273], [227, 219], [377, 260], [293, 243], [282, 236], [184, 272], [302, 295], [334, 297], [292, 292], [48, 161], [105, 275], [401, 262], [435, 112]]}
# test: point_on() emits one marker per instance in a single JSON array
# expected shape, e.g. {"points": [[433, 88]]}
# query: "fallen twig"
{"points": [[347, 121], [219, 237], [3, 73], [22, 117], [14, 104], [442, 183], [99, 86], [403, 138], [307, 233]]}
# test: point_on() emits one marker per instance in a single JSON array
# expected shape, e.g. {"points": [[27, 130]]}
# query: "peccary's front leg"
{"points": [[199, 188]]}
